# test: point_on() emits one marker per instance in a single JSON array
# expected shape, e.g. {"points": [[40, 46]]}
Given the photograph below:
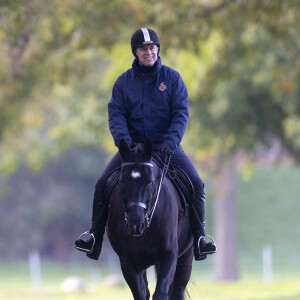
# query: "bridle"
{"points": [[149, 214], [138, 203]]}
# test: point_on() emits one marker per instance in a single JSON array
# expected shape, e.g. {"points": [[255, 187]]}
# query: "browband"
{"points": [[137, 163]]}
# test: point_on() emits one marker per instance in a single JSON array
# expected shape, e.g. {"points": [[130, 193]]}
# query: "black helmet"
{"points": [[142, 37]]}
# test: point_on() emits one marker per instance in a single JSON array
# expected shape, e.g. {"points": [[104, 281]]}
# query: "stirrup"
{"points": [[212, 241], [94, 240]]}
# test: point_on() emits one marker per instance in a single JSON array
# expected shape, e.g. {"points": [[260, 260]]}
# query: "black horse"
{"points": [[147, 226]]}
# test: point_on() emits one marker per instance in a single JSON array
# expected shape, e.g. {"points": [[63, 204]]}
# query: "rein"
{"points": [[150, 213]]}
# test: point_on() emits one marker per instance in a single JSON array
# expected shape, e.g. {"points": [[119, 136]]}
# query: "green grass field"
{"points": [[15, 285], [205, 291], [268, 212]]}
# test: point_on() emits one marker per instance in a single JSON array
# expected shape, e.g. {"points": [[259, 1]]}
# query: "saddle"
{"points": [[176, 175], [111, 182], [180, 180]]}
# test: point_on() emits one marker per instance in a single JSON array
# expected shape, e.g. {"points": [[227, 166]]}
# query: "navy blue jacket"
{"points": [[156, 107]]}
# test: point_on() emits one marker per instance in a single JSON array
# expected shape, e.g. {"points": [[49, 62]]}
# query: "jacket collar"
{"points": [[140, 70]]}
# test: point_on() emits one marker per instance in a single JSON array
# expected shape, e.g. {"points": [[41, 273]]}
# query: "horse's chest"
{"points": [[142, 259]]}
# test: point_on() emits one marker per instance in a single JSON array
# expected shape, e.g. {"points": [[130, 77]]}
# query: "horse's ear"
{"points": [[148, 149], [123, 149]]}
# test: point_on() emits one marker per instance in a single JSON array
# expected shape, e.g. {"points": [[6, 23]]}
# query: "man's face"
{"points": [[147, 55]]}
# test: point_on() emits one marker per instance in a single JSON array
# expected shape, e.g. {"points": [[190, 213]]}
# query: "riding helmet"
{"points": [[142, 37]]}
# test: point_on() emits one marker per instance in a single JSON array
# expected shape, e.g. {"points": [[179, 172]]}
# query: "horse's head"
{"points": [[136, 184]]}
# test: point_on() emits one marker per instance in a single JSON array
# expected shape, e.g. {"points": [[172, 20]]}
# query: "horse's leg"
{"points": [[165, 270], [182, 275], [146, 285], [136, 281]]}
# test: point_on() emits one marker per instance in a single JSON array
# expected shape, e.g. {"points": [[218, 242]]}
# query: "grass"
{"points": [[15, 285], [268, 213], [207, 291]]}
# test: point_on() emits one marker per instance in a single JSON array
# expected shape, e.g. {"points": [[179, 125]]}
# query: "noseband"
{"points": [[150, 212]]}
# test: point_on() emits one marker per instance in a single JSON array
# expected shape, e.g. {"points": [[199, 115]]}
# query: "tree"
{"points": [[241, 68], [249, 98]]}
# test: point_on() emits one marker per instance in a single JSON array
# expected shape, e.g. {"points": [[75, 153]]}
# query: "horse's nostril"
{"points": [[136, 229]]}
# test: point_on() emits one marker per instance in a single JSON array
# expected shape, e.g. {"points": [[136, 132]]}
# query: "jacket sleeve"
{"points": [[180, 113], [117, 115]]}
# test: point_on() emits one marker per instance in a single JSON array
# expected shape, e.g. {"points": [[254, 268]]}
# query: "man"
{"points": [[150, 100]]}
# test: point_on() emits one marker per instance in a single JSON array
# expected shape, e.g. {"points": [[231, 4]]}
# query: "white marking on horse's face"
{"points": [[135, 174]]}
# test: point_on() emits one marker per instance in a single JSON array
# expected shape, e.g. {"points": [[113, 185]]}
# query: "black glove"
{"points": [[166, 149]]}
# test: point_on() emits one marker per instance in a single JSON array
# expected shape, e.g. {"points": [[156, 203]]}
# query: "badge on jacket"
{"points": [[162, 87]]}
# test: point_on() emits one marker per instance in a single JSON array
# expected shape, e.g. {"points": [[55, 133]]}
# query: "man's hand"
{"points": [[165, 149]]}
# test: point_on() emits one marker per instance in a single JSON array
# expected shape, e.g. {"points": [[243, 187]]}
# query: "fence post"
{"points": [[35, 268], [267, 264]]}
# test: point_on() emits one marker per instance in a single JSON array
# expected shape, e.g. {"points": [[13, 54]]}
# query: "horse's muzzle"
{"points": [[135, 230], [135, 224]]}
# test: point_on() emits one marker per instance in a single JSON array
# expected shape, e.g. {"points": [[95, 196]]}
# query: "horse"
{"points": [[148, 226]]}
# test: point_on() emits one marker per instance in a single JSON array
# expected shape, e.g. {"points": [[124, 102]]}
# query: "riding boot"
{"points": [[93, 245], [197, 221]]}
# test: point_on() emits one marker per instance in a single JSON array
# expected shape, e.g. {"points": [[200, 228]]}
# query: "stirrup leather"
{"points": [[83, 249]]}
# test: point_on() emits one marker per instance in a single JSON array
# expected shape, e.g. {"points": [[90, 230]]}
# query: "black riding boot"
{"points": [[197, 220], [93, 245]]}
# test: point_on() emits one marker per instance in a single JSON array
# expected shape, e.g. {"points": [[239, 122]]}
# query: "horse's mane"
{"points": [[136, 152], [136, 147]]}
